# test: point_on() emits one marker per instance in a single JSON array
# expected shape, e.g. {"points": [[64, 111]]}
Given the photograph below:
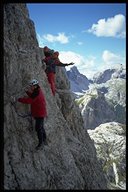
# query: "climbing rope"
{"points": [[20, 115], [28, 115]]}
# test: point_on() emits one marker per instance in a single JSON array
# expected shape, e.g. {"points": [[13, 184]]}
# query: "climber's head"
{"points": [[34, 84], [46, 49], [56, 54]]}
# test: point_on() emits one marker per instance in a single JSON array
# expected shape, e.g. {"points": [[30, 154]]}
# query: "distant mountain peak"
{"points": [[78, 82], [74, 69], [104, 76]]}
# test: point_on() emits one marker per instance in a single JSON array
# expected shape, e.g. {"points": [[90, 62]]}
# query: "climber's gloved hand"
{"points": [[13, 99], [71, 63]]}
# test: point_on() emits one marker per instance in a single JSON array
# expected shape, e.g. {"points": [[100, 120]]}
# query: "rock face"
{"points": [[69, 160], [110, 142], [95, 109]]}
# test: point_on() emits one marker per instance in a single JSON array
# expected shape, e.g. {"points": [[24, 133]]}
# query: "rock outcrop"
{"points": [[95, 109], [110, 142], [69, 160]]}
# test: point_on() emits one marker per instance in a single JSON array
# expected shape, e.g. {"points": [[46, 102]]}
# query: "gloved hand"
{"points": [[71, 63], [13, 99]]}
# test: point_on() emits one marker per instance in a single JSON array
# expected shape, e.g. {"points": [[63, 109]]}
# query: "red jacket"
{"points": [[38, 104]]}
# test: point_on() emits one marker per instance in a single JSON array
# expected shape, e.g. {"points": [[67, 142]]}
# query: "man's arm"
{"points": [[64, 64], [25, 100]]}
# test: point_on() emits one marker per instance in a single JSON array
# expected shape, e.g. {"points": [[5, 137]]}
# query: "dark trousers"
{"points": [[39, 127]]}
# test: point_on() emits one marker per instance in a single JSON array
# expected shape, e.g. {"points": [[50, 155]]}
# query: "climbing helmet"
{"points": [[34, 82]]}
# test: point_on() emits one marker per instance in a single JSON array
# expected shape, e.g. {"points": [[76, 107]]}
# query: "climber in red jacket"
{"points": [[38, 109], [51, 62]]}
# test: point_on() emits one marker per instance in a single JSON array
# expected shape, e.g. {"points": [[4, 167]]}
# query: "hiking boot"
{"points": [[38, 146], [45, 142]]}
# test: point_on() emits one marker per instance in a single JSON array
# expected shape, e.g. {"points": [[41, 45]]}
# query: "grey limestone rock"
{"points": [[69, 160]]}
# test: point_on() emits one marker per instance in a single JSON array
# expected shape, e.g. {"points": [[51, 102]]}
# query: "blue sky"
{"points": [[93, 36]]}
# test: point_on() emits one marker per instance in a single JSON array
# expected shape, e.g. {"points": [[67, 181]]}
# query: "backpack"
{"points": [[49, 53], [50, 65]]}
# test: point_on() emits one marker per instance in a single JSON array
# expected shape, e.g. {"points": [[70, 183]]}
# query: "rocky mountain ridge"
{"points": [[79, 83], [107, 93], [104, 76]]}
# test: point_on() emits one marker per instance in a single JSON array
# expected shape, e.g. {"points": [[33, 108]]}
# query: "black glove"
{"points": [[71, 63], [13, 99]]}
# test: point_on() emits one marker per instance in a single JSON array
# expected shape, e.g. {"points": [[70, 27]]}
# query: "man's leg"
{"points": [[51, 80], [40, 131]]}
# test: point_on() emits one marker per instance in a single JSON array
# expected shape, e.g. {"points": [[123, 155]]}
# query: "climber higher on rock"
{"points": [[51, 62]]}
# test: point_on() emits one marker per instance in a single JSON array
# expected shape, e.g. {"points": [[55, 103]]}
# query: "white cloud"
{"points": [[85, 66], [89, 66], [61, 38], [110, 58], [112, 27], [71, 57]]}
